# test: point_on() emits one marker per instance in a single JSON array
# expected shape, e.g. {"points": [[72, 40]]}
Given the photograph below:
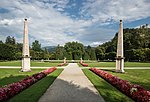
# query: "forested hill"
{"points": [[136, 45]]}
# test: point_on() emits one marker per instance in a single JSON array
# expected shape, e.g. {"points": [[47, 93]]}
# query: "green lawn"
{"points": [[34, 92], [33, 64], [136, 76], [112, 64], [111, 94], [107, 91], [8, 76]]}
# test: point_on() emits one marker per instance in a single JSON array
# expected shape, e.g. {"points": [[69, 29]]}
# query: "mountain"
{"points": [[50, 48]]}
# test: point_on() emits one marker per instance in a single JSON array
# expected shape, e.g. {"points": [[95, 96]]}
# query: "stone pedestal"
{"points": [[120, 64], [120, 58], [25, 54]]}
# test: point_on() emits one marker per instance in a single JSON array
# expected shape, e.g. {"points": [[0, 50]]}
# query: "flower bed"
{"points": [[61, 64], [136, 92], [84, 64], [11, 90]]}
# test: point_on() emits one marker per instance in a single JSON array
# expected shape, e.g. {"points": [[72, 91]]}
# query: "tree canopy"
{"points": [[136, 48]]}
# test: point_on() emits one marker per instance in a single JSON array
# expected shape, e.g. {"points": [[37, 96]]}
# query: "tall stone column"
{"points": [[25, 53], [120, 56]]}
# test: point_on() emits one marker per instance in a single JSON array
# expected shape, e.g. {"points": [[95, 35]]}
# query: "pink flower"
{"points": [[11, 90], [136, 92], [84, 64]]}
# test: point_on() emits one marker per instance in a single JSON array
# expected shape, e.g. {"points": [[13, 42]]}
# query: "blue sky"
{"points": [[53, 22]]}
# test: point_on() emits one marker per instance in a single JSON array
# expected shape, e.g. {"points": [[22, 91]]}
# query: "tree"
{"points": [[91, 52], [135, 43], [1, 42], [46, 54], [59, 53], [10, 40], [75, 50], [8, 52], [36, 46], [100, 53], [86, 56]]}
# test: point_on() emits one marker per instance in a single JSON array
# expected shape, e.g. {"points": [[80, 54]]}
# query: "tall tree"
{"points": [[91, 52], [36, 46], [75, 50], [59, 53], [10, 40]]}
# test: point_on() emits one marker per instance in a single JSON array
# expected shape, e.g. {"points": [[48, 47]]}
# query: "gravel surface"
{"points": [[71, 86]]}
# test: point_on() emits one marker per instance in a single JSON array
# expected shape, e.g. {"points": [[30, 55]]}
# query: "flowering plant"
{"points": [[83, 64], [10, 90], [136, 92], [61, 64]]}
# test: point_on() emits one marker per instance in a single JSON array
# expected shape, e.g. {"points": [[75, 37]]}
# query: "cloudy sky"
{"points": [[54, 22]]}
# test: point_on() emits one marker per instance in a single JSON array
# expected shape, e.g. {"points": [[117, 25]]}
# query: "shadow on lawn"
{"points": [[109, 70], [35, 91], [11, 79]]}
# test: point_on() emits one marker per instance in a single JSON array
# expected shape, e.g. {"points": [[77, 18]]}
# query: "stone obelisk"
{"points": [[120, 56], [26, 54]]}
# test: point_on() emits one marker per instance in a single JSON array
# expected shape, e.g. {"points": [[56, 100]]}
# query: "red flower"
{"points": [[84, 64], [136, 92], [11, 90]]}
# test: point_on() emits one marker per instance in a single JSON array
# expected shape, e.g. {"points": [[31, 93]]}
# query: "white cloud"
{"points": [[96, 43], [51, 27], [128, 10], [10, 21]]}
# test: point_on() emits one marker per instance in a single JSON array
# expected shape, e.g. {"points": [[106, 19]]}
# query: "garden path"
{"points": [[71, 86]]}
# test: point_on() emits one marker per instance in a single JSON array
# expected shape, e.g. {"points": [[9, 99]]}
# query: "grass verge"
{"points": [[34, 92], [112, 64], [8, 76], [106, 90], [33, 64], [135, 76]]}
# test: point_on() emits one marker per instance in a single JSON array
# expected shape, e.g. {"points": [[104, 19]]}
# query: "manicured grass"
{"points": [[33, 64], [10, 63], [135, 76], [112, 64], [107, 91], [33, 93], [8, 76]]}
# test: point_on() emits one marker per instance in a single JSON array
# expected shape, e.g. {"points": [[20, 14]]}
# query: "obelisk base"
{"points": [[25, 64], [120, 64]]}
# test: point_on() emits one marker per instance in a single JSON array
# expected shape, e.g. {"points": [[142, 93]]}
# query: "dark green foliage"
{"points": [[10, 40], [90, 52], [75, 50], [86, 56], [59, 52], [136, 45], [8, 52], [36, 46], [1, 42]]}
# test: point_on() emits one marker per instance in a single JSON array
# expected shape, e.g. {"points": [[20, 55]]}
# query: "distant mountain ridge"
{"points": [[50, 48]]}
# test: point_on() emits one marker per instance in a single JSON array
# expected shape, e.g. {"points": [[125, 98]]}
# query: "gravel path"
{"points": [[71, 86]]}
